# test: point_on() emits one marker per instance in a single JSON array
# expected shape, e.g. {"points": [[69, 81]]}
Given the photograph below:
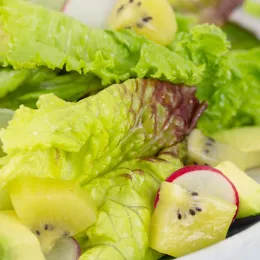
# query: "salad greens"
{"points": [[126, 197], [107, 143], [119, 141], [57, 41], [199, 54], [96, 134]]}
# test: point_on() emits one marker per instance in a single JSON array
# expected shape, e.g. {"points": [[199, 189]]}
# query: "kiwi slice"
{"points": [[153, 19], [183, 223], [17, 242], [52, 209], [206, 150]]}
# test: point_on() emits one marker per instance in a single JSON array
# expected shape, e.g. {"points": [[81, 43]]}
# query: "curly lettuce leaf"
{"points": [[122, 122], [58, 41], [230, 82], [68, 86], [207, 46], [237, 102], [125, 208]]}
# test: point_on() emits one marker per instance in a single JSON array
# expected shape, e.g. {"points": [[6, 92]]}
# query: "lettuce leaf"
{"points": [[10, 80], [58, 41], [36, 82], [236, 103], [122, 122], [230, 82], [207, 46], [107, 142], [125, 208]]}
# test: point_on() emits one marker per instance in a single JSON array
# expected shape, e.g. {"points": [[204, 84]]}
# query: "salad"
{"points": [[130, 142]]}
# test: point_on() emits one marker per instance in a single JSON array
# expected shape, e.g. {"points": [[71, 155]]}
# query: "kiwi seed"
{"points": [[139, 25], [206, 151], [194, 193], [192, 212], [147, 19], [120, 8], [198, 209], [66, 234], [179, 215], [38, 233], [131, 1], [139, 3], [211, 140]]}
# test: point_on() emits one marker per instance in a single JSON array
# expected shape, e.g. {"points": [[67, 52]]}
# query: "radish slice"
{"points": [[64, 249], [205, 181]]}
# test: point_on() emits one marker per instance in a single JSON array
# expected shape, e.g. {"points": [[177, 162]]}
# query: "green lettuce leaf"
{"points": [[10, 80], [58, 41], [239, 37], [207, 46], [125, 208], [68, 86], [122, 122], [230, 82], [236, 103]]}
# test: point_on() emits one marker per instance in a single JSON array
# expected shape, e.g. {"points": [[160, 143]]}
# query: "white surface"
{"points": [[94, 13]]}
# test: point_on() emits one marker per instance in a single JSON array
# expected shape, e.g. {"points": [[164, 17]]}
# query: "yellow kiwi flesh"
{"points": [[17, 242], [153, 19], [182, 223], [52, 209]]}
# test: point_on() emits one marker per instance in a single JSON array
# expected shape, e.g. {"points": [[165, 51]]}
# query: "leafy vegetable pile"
{"points": [[111, 110], [108, 143], [72, 61]]}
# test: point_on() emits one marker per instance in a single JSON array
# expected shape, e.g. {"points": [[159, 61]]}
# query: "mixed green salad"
{"points": [[130, 142]]}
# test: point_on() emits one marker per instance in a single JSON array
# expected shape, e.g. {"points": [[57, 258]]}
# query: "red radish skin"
{"points": [[192, 168]]}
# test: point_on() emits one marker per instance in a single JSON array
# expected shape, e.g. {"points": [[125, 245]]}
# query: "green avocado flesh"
{"points": [[183, 223], [16, 241], [248, 189]]}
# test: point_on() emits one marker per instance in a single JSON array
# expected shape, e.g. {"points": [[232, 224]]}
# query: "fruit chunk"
{"points": [[243, 138], [183, 223], [248, 189], [17, 242], [53, 209], [64, 249], [153, 19], [206, 150], [205, 181]]}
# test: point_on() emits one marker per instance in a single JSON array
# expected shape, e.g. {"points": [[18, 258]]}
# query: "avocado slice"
{"points": [[248, 189], [17, 242], [245, 139]]}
